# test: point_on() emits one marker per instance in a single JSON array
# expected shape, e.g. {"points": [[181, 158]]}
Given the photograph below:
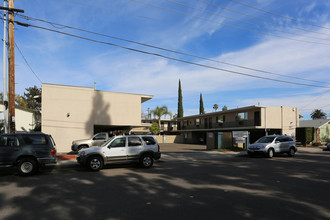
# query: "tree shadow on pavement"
{"points": [[200, 188]]}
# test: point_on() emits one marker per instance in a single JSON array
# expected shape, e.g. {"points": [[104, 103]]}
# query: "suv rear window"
{"points": [[35, 139], [149, 140], [10, 140], [134, 141]]}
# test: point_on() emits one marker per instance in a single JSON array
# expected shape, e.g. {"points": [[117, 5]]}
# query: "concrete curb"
{"points": [[66, 157]]}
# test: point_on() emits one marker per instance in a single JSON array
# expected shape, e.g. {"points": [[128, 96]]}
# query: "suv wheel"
{"points": [[146, 161], [291, 152], [95, 163], [26, 166], [270, 153]]}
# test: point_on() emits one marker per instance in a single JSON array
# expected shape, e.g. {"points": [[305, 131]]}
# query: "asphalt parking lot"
{"points": [[187, 183]]}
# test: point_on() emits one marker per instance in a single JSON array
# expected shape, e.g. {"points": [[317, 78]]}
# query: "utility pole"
{"points": [[4, 61], [11, 62], [11, 74]]}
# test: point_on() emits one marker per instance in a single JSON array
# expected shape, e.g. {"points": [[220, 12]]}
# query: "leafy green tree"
{"points": [[20, 101], [224, 108], [160, 111], [215, 107], [318, 114], [154, 128], [201, 105], [180, 105], [32, 98]]}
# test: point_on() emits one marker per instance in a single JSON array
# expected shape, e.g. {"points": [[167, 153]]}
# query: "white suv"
{"points": [[143, 149], [269, 145]]}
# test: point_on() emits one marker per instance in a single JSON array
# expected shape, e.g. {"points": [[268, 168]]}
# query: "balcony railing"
{"points": [[230, 124]]}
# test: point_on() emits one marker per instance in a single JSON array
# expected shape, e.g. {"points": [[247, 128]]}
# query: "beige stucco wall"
{"points": [[285, 118], [24, 120], [70, 113], [325, 133], [169, 139]]}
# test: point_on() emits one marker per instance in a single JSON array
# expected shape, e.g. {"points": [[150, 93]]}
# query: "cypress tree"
{"points": [[180, 107], [201, 105]]}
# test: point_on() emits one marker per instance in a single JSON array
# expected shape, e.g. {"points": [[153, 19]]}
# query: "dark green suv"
{"points": [[27, 151]]}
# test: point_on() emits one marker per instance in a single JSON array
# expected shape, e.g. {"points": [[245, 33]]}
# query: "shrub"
{"points": [[154, 128], [305, 135]]}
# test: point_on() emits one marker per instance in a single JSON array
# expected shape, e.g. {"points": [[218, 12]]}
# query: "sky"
{"points": [[236, 53]]}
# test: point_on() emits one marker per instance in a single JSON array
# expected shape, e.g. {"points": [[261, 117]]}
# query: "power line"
{"points": [[272, 13], [246, 22], [263, 19], [27, 63], [229, 25], [172, 51], [316, 98], [170, 58]]}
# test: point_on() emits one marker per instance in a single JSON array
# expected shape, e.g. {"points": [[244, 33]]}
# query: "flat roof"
{"points": [[144, 97], [223, 112]]}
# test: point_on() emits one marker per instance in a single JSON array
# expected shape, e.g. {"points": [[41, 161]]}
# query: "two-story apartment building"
{"points": [[167, 126], [256, 120]]}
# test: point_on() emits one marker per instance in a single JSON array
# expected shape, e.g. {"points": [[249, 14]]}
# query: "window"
{"points": [[134, 141], [280, 139], [149, 140], [100, 137], [219, 119], [242, 116], [9, 141], [119, 142], [34, 139], [197, 122], [287, 139], [210, 122], [257, 118]]}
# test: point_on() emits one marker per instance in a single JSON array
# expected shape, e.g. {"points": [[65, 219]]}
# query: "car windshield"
{"points": [[265, 140], [105, 143]]}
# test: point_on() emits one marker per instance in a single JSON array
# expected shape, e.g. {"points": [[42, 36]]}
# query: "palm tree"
{"points": [[215, 107], [160, 111], [318, 114]]}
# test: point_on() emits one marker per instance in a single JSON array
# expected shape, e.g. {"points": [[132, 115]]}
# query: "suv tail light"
{"points": [[158, 148], [53, 152]]}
